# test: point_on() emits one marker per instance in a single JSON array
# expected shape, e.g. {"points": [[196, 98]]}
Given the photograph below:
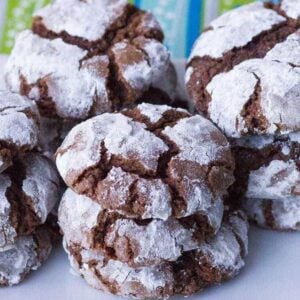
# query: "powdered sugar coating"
{"points": [[118, 278], [287, 51], [85, 19], [148, 65], [121, 137], [278, 180], [224, 251], [285, 213], [223, 254], [135, 69], [163, 74], [201, 143], [235, 29], [123, 151], [26, 255], [41, 184], [29, 191], [291, 8], [73, 88], [7, 231], [18, 120], [150, 244], [279, 97]]}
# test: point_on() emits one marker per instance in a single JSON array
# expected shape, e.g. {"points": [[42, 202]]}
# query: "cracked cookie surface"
{"points": [[244, 70], [29, 190], [112, 58], [268, 180], [134, 242], [19, 120], [26, 255], [217, 259], [149, 162]]}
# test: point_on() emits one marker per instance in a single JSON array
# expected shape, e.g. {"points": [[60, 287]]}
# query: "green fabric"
{"points": [[16, 18]]}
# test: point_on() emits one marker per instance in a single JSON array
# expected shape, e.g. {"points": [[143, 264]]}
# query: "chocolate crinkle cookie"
{"points": [[152, 161], [83, 58], [19, 122], [26, 254], [217, 259], [244, 70], [29, 190], [143, 213], [268, 180]]}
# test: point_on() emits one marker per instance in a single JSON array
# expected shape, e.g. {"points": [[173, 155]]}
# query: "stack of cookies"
{"points": [[29, 190], [143, 213], [84, 58], [244, 74]]}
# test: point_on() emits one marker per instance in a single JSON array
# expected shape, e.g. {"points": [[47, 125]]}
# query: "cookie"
{"points": [[25, 256], [217, 259], [52, 133], [243, 72], [134, 242], [268, 179], [281, 215], [148, 162], [19, 120], [84, 58], [29, 190]]}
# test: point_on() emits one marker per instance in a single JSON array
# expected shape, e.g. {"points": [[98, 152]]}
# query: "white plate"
{"points": [[272, 272]]}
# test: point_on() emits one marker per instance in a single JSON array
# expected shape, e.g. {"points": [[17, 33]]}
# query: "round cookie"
{"points": [[268, 179], [243, 72], [19, 119], [26, 255], [135, 242], [83, 58], [52, 134], [29, 190], [218, 259], [148, 162]]}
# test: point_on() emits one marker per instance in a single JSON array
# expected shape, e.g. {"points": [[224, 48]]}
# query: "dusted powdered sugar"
{"points": [[77, 216], [151, 279], [87, 19], [277, 181], [155, 112], [152, 243], [285, 212], [18, 128], [235, 29], [121, 136], [163, 75], [24, 256], [7, 231], [41, 184], [224, 251], [287, 51], [156, 242], [160, 205], [72, 87], [279, 97], [134, 69], [203, 143], [228, 100], [291, 8]]}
